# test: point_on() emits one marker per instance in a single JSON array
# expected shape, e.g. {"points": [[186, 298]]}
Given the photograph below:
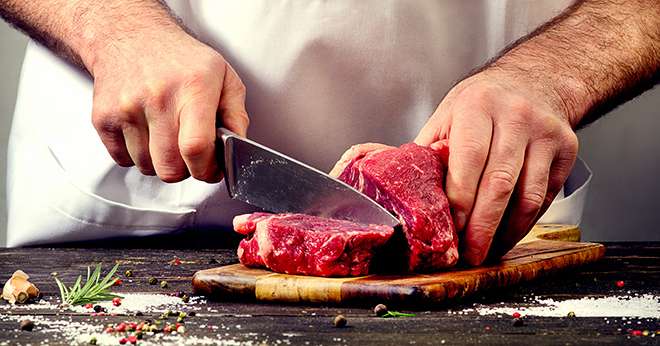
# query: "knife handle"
{"points": [[223, 156]]}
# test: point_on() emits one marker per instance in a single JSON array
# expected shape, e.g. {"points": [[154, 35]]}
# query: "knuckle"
{"points": [[194, 146], [128, 106], [500, 181], [531, 201], [473, 152], [158, 95], [521, 109]]}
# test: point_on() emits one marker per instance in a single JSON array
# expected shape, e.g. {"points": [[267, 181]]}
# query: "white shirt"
{"points": [[320, 77]]}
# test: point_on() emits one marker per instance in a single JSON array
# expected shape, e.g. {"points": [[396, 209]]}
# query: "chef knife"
{"points": [[274, 182]]}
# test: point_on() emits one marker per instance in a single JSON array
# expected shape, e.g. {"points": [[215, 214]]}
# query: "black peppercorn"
{"points": [[339, 321], [128, 273], [98, 308], [27, 325], [192, 314], [163, 284], [380, 310], [571, 314], [518, 322], [153, 281], [185, 298]]}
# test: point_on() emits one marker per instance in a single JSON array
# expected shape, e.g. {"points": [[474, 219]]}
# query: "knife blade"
{"points": [[274, 182]]}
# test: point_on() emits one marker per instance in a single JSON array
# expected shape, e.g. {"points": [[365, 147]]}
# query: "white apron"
{"points": [[320, 75]]}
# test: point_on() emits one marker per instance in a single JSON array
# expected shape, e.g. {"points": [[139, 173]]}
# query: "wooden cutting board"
{"points": [[547, 249]]}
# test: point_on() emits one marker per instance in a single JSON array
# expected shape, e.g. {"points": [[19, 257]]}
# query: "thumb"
{"points": [[231, 107]]}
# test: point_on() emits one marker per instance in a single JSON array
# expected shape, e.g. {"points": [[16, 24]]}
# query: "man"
{"points": [[320, 77]]}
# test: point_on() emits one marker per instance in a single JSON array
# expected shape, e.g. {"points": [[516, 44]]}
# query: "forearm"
{"points": [[595, 56], [81, 30]]}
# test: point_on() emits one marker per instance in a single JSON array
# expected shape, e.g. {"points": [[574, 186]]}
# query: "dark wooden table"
{"points": [[638, 264]]}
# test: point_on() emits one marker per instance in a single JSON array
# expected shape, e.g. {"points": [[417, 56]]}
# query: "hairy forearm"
{"points": [[82, 30], [593, 57]]}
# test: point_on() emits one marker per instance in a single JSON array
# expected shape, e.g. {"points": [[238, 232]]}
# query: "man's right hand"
{"points": [[156, 99]]}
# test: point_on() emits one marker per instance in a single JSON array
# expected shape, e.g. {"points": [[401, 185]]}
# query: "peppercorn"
{"points": [[98, 308], [571, 314], [516, 315], [153, 281], [181, 329], [182, 314], [89, 306], [128, 273], [139, 313], [121, 327], [620, 284], [645, 333], [185, 298], [192, 314], [339, 321], [380, 310], [123, 341], [139, 335], [179, 319], [118, 282], [168, 313], [92, 341], [167, 329], [27, 325], [132, 339], [518, 322], [163, 284], [116, 301]]}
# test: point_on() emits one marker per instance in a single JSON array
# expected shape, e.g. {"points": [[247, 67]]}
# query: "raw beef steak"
{"points": [[407, 181], [308, 245]]}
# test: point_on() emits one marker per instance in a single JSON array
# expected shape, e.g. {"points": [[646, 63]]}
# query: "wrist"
{"points": [[566, 95], [103, 35]]}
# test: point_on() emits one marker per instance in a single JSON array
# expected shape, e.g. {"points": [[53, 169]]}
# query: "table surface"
{"points": [[231, 323]]}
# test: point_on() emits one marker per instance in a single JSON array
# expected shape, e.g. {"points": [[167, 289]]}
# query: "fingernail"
{"points": [[460, 219]]}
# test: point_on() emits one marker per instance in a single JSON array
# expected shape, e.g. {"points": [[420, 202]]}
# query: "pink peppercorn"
{"points": [[516, 315], [620, 283], [123, 341], [116, 301]]}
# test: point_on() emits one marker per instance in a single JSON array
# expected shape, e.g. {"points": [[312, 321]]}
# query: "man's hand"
{"points": [[509, 127], [157, 90], [156, 100], [507, 147]]}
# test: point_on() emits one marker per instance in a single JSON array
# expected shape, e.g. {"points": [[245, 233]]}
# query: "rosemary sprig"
{"points": [[397, 314], [94, 290]]}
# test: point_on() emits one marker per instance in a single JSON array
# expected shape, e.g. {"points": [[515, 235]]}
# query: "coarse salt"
{"points": [[640, 306]]}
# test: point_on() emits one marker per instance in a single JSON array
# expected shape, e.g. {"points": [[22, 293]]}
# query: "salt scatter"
{"points": [[133, 302], [640, 306]]}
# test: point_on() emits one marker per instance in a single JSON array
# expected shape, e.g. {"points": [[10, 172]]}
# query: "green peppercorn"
{"points": [[571, 314], [92, 341], [182, 314], [128, 273], [179, 319], [339, 321], [168, 313], [185, 298], [163, 284], [380, 310], [153, 281]]}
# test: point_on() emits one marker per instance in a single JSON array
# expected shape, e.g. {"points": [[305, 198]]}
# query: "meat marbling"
{"points": [[308, 245], [407, 181]]}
